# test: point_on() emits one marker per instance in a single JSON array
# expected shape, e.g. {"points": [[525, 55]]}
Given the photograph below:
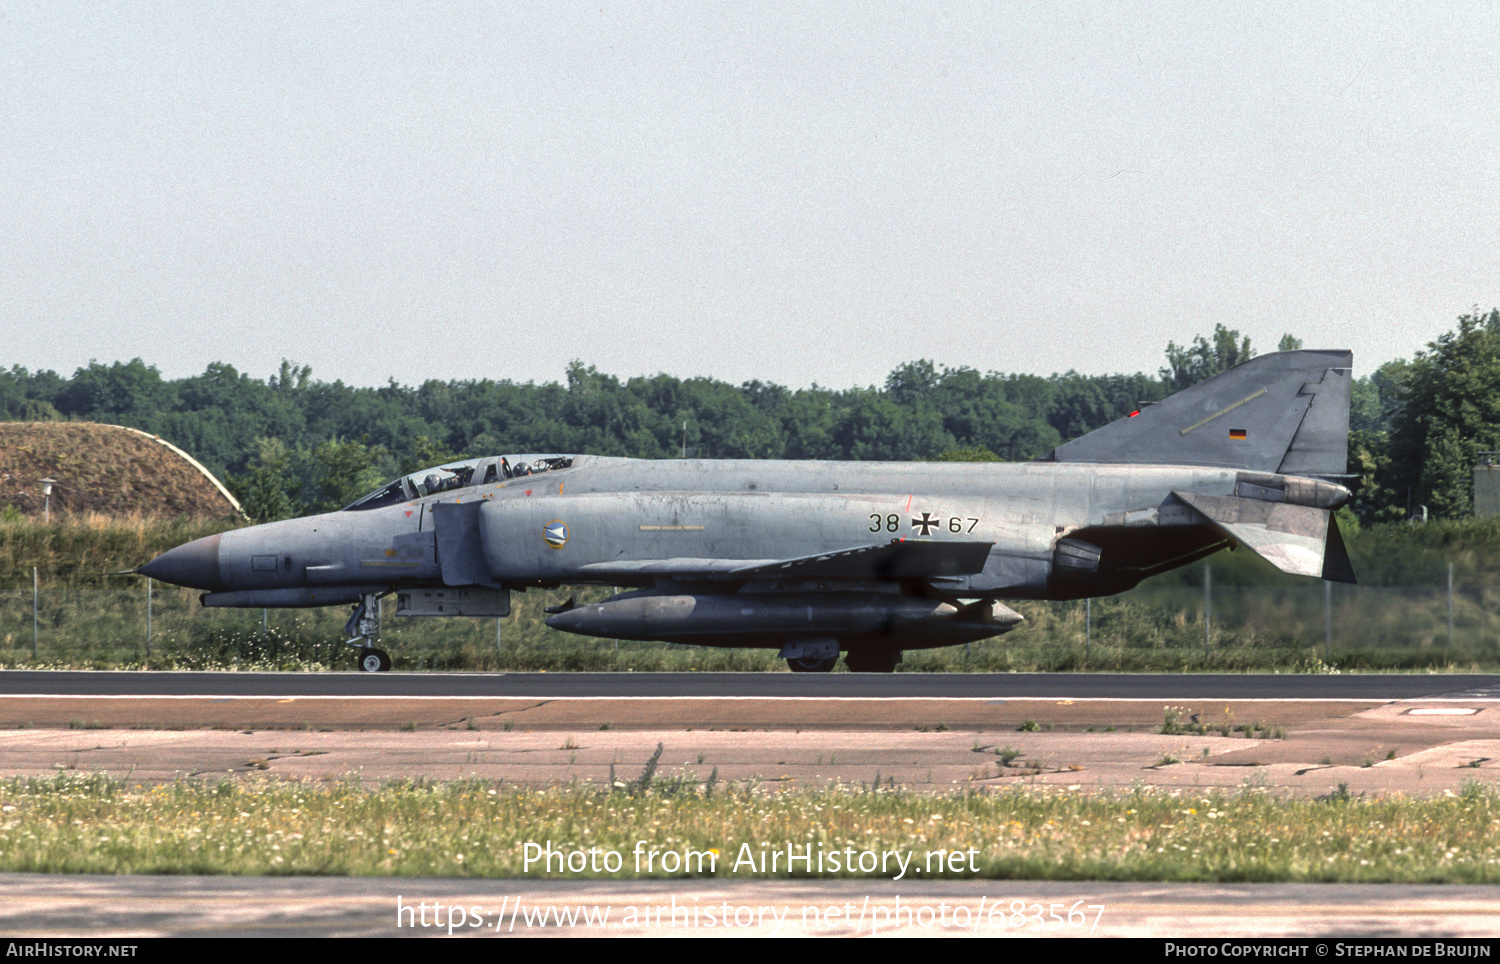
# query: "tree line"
{"points": [[291, 444]]}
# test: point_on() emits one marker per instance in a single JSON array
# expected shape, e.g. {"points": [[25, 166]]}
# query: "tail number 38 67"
{"points": [[924, 524]]}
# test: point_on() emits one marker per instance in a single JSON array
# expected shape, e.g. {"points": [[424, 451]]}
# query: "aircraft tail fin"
{"points": [[1286, 412]]}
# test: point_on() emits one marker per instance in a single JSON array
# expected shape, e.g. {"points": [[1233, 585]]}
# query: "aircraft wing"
{"points": [[903, 559], [1302, 540]]}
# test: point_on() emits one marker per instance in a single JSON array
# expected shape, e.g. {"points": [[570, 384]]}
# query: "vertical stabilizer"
{"points": [[1286, 412]]}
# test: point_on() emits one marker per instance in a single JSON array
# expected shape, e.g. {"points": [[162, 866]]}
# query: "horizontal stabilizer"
{"points": [[906, 559], [1297, 539]]}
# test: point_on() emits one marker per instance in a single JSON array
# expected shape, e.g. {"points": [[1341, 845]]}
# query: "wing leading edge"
{"points": [[903, 559]]}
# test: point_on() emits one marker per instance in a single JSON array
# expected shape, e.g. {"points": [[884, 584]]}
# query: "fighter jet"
{"points": [[817, 558]]}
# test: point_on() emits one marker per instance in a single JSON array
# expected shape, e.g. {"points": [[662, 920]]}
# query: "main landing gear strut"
{"points": [[362, 628]]}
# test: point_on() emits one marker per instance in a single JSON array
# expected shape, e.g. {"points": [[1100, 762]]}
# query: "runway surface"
{"points": [[1178, 686]]}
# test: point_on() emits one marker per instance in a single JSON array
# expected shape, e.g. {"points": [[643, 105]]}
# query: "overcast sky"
{"points": [[803, 192]]}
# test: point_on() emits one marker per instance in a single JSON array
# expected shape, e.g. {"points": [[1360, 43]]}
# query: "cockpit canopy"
{"points": [[458, 475]]}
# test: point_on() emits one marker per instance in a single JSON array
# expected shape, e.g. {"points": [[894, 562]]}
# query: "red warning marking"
{"points": [[908, 503], [408, 513], [1134, 413], [528, 491]]}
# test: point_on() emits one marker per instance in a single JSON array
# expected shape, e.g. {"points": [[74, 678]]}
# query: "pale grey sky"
{"points": [[792, 192]]}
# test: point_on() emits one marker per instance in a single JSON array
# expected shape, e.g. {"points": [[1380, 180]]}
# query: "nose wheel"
{"points": [[372, 660]]}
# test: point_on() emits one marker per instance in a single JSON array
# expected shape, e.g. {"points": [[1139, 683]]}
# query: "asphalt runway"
{"points": [[1077, 686]]}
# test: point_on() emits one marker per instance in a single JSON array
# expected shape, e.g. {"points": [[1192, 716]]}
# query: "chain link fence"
{"points": [[1298, 625]]}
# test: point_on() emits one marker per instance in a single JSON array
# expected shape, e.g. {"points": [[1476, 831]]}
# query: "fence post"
{"points": [[148, 617], [1088, 626], [497, 634], [1327, 621], [33, 612], [1208, 607], [1449, 649]]}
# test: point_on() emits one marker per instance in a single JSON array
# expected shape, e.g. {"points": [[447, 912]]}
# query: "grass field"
{"points": [[82, 824]]}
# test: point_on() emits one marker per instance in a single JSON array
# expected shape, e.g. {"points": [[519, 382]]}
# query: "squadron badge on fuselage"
{"points": [[556, 533]]}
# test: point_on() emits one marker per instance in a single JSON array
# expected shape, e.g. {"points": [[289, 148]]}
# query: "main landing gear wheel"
{"points": [[808, 664], [372, 660]]}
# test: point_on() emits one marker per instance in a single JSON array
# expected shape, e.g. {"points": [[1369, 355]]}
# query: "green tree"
{"points": [[131, 393], [269, 491], [1187, 366], [341, 471], [1373, 406], [1448, 410], [425, 454], [291, 378], [807, 419], [994, 412], [24, 396], [874, 428]]}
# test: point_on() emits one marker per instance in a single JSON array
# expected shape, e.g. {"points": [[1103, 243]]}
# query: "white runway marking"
{"points": [[218, 697]]}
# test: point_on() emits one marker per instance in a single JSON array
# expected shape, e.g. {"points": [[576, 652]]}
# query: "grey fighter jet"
{"points": [[814, 558]]}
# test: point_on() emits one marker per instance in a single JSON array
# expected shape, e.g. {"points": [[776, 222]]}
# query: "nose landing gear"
{"points": [[362, 628], [373, 660]]}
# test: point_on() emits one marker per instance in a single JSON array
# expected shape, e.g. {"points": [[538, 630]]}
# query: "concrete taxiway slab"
{"points": [[35, 906], [1305, 748], [652, 713]]}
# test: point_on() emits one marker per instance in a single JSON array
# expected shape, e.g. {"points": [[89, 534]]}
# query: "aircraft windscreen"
{"points": [[388, 494], [458, 475]]}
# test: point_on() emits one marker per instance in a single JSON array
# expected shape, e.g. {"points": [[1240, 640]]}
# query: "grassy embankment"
{"points": [[474, 828], [1262, 620]]}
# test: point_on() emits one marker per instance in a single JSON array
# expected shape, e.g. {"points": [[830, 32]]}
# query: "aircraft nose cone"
{"points": [[195, 565]]}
